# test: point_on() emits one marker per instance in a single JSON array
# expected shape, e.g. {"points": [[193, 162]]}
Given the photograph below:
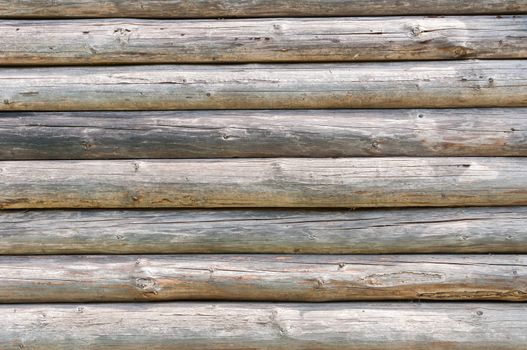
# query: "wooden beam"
{"points": [[430, 230], [283, 133], [254, 8], [74, 42], [264, 326], [490, 83], [276, 182], [262, 278]]}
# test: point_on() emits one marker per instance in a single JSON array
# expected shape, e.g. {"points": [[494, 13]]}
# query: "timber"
{"points": [[271, 133], [264, 326], [274, 182], [471, 83], [254, 8], [133, 41], [275, 231], [259, 277]]}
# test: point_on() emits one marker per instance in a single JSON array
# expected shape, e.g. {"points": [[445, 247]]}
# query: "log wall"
{"points": [[263, 152]]}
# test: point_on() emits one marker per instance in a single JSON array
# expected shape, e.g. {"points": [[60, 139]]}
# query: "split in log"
{"points": [[265, 326], [274, 182], [311, 278], [441, 84], [430, 230], [135, 41], [253, 8], [256, 134]]}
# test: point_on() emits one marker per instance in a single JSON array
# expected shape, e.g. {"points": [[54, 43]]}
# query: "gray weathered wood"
{"points": [[430, 230], [253, 8], [490, 83], [275, 182], [265, 326], [60, 42], [283, 133], [259, 277]]}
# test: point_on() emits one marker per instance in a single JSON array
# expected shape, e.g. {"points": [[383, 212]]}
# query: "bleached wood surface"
{"points": [[44, 279], [118, 41], [230, 326], [253, 8], [471, 83], [281, 133], [428, 230], [274, 182]]}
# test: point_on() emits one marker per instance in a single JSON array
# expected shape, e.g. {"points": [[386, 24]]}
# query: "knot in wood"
{"points": [[415, 30], [147, 285]]}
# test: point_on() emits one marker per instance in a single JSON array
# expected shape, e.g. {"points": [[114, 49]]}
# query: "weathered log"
{"points": [[434, 230], [490, 83], [254, 8], [285, 133], [272, 40], [259, 277], [275, 182], [265, 326]]}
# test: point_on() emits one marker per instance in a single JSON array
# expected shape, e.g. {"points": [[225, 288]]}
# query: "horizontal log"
{"points": [[490, 83], [254, 8], [284, 133], [276, 182], [60, 42], [262, 278], [233, 326], [431, 230]]}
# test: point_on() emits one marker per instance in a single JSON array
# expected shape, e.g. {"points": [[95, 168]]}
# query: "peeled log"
{"points": [[275, 231], [262, 278], [75, 42], [490, 83], [264, 326], [280, 133], [275, 182], [253, 8]]}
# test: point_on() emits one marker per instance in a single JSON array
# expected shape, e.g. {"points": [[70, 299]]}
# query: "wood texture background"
{"points": [[306, 69], [471, 83], [280, 133], [233, 326], [427, 230], [261, 40], [253, 8], [262, 278], [276, 182]]}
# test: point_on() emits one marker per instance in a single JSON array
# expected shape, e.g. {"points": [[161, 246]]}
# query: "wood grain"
{"points": [[234, 326], [281, 133], [490, 83], [253, 8], [262, 278], [75, 42], [429, 230], [275, 182]]}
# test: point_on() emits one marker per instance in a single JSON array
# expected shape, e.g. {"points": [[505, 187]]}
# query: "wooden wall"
{"points": [[173, 172]]}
